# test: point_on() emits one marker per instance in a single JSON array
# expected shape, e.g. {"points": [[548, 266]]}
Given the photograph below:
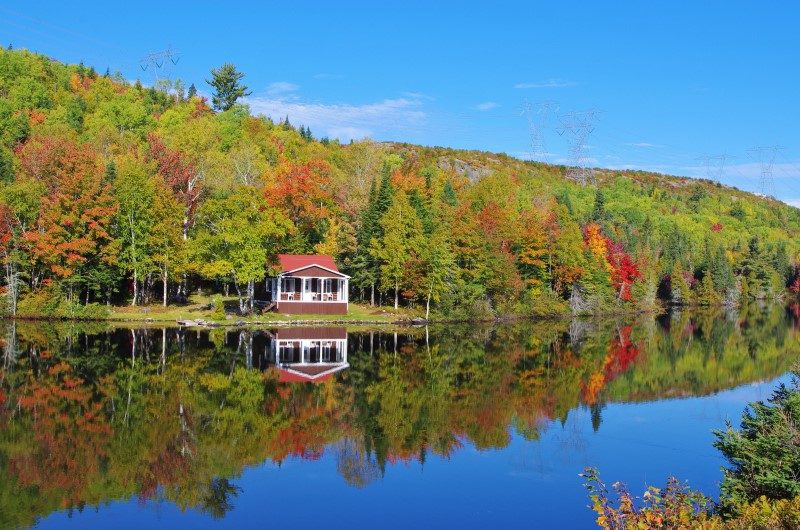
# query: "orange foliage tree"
{"points": [[71, 234]]}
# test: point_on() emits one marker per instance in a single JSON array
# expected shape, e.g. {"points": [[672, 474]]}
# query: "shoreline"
{"points": [[405, 320]]}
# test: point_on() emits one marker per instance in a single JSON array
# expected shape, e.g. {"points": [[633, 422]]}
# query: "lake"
{"points": [[470, 427]]}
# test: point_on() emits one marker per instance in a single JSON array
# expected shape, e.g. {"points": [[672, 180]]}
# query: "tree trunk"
{"points": [[135, 288], [396, 294], [251, 289], [239, 294], [372, 296], [164, 282], [428, 306]]}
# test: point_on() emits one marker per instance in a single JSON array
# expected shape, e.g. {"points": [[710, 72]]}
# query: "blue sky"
{"points": [[672, 82]]}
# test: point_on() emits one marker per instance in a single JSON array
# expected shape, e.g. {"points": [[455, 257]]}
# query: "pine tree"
{"points": [[681, 293], [599, 210], [721, 271], [364, 268], [449, 194], [111, 172], [439, 265], [192, 92], [754, 268], [706, 294], [226, 82], [400, 245]]}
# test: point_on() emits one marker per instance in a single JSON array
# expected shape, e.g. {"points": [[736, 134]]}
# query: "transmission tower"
{"points": [[160, 64], [579, 125], [538, 116], [765, 157], [714, 166]]}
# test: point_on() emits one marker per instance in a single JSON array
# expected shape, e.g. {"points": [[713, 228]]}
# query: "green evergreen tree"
{"points": [[706, 294], [111, 172], [449, 194], [228, 88], [599, 209], [192, 92], [364, 267], [400, 245], [754, 268], [764, 454], [721, 271], [681, 293]]}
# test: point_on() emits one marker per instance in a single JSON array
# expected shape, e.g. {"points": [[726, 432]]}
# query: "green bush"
{"points": [[219, 308], [543, 304]]}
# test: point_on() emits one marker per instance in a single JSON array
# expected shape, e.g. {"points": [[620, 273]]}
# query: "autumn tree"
{"points": [[72, 233], [181, 176], [303, 193]]}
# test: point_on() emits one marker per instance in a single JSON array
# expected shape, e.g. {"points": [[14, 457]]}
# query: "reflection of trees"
{"points": [[217, 501], [91, 415], [358, 467]]}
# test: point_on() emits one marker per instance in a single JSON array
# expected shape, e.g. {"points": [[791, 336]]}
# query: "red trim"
{"points": [[289, 377]]}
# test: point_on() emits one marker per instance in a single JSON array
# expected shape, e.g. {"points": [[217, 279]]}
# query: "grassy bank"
{"points": [[200, 308]]}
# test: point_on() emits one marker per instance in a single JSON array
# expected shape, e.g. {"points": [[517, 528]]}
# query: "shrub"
{"points": [[50, 302], [675, 506], [219, 308], [678, 507]]}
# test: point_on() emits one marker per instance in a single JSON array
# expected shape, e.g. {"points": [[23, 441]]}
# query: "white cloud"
{"points": [[281, 88], [749, 170], [793, 202], [416, 95], [486, 105], [643, 145], [390, 118], [547, 83]]}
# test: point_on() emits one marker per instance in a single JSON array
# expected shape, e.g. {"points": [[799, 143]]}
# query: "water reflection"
{"points": [[91, 414]]}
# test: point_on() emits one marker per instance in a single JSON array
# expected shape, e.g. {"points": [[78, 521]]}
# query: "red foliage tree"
{"points": [[181, 176]]}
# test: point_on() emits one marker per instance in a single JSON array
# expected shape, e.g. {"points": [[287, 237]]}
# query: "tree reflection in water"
{"points": [[91, 413]]}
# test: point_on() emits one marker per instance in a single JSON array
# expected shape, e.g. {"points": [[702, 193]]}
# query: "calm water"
{"points": [[129, 428]]}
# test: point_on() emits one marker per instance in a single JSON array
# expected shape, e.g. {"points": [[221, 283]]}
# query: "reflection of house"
{"points": [[309, 284], [309, 354]]}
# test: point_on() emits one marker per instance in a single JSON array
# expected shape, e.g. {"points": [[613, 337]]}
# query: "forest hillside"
{"points": [[117, 193]]}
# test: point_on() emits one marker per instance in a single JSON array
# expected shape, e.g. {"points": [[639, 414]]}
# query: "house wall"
{"points": [[312, 308]]}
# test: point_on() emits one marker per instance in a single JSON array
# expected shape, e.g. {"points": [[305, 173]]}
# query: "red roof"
{"points": [[291, 262]]}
